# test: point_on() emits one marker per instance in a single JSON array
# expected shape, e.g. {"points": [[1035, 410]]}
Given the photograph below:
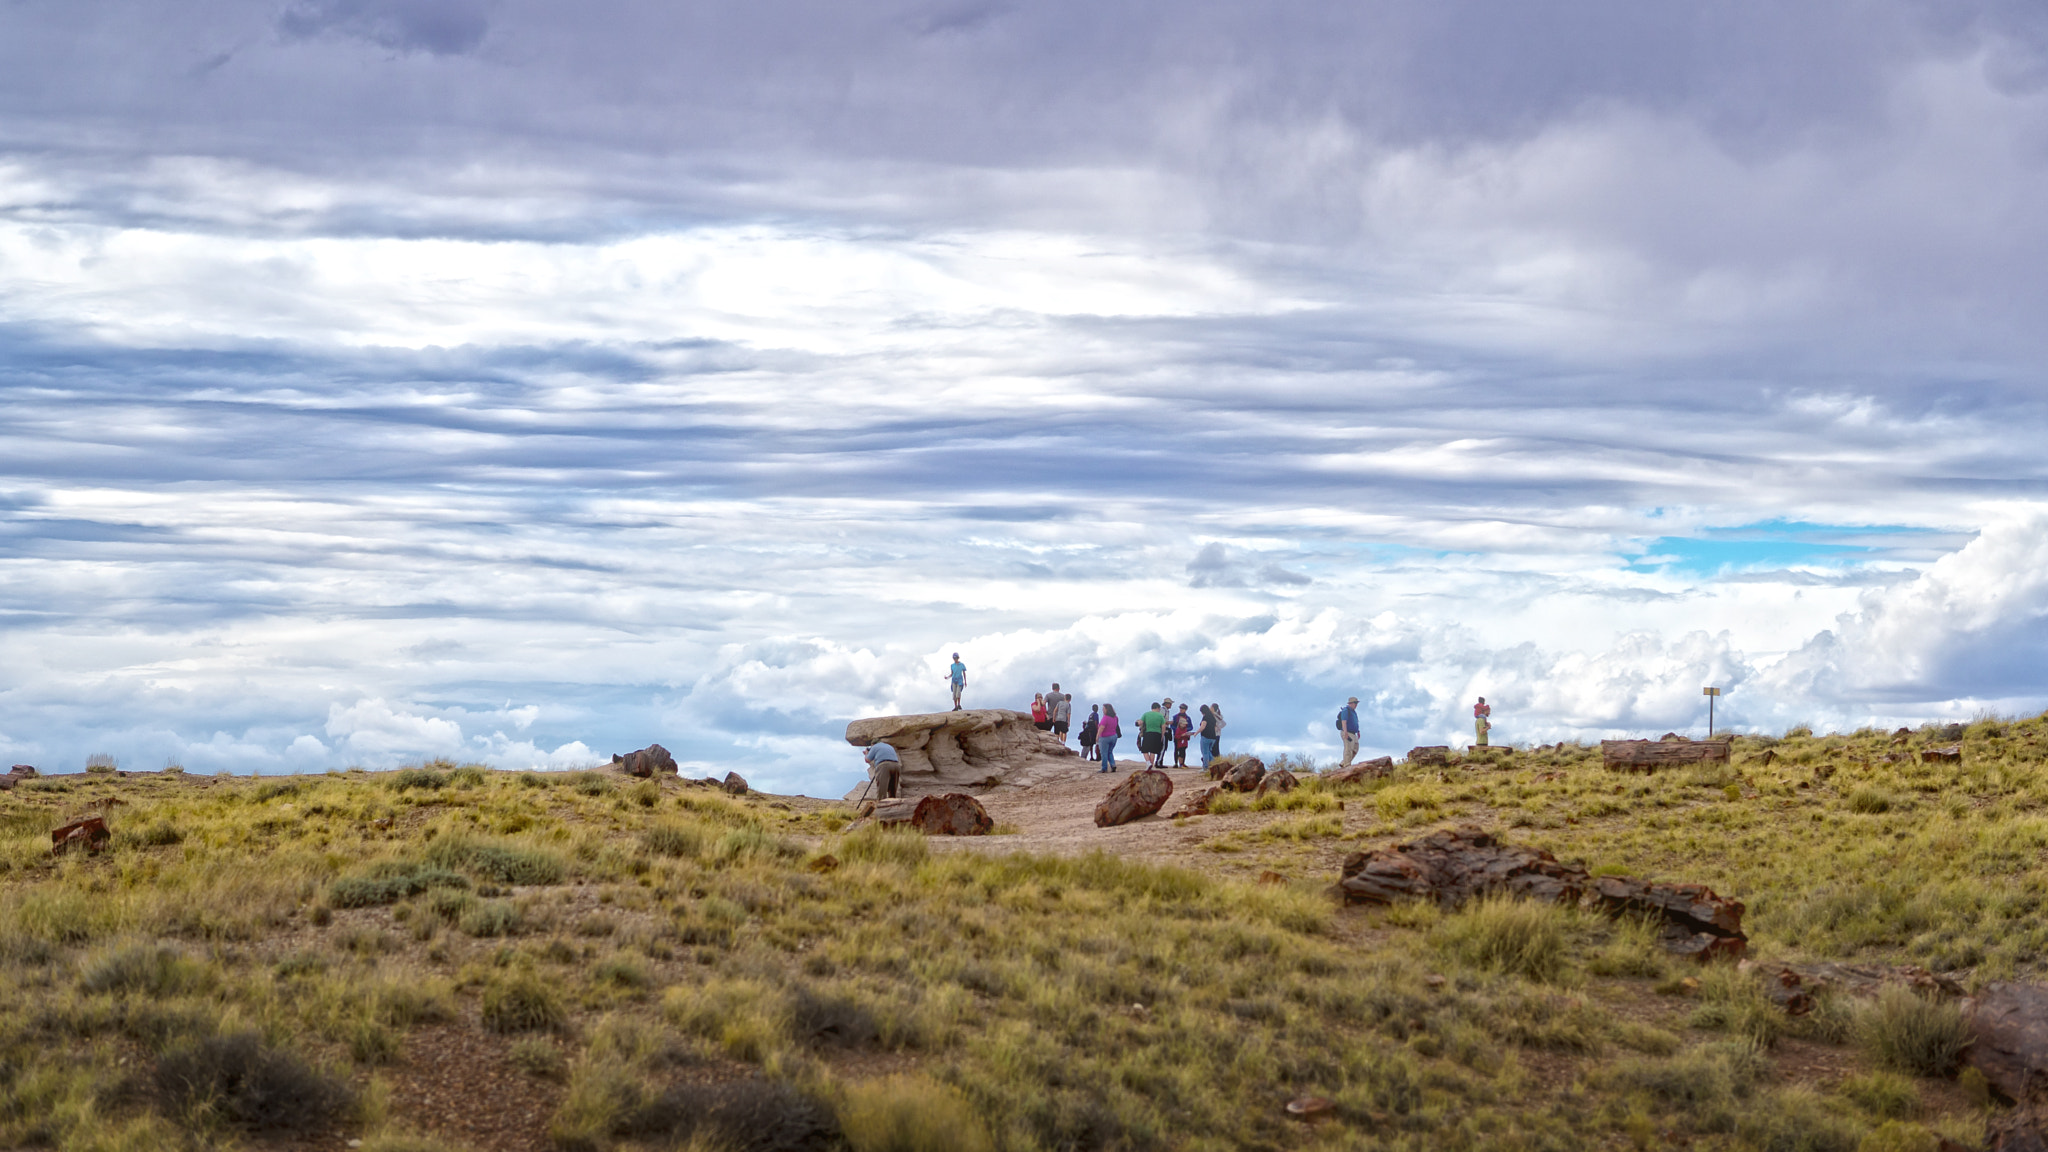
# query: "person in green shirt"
{"points": [[1152, 735]]}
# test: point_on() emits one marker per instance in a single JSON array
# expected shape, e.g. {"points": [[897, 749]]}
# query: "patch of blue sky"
{"points": [[1784, 544]]}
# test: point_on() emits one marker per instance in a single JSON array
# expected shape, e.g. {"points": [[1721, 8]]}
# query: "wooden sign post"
{"points": [[1710, 694]]}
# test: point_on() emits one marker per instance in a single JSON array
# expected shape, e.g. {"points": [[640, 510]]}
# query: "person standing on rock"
{"points": [[957, 676], [1347, 727], [1040, 718], [1482, 719], [1088, 728], [1062, 707], [1152, 735], [885, 768], [1207, 733], [1182, 727], [1106, 732]]}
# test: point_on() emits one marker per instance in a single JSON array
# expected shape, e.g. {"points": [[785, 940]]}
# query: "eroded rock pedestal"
{"points": [[967, 751], [1453, 865]]}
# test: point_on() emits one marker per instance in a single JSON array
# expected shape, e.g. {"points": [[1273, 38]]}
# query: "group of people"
{"points": [[1053, 712], [1347, 726]]}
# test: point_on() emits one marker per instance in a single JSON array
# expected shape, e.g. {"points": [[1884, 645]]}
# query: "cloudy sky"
{"points": [[522, 382]]}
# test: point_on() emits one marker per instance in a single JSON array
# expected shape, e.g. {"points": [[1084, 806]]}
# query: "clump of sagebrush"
{"points": [[1506, 934], [1913, 1033]]}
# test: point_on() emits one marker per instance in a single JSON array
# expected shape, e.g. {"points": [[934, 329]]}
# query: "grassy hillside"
{"points": [[447, 958]]}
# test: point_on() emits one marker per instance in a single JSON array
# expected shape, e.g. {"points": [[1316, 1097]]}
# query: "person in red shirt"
{"points": [[1040, 718]]}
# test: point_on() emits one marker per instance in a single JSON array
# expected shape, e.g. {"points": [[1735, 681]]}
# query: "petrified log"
{"points": [[1224, 765], [1953, 754], [1246, 775], [735, 784], [1786, 988], [2010, 1023], [89, 834], [951, 814], [1902, 735], [1648, 754], [1140, 796], [1367, 770], [646, 762], [1430, 754], [1455, 864], [1278, 780], [1198, 804]]}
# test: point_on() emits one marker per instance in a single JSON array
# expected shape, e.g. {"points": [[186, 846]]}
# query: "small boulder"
{"points": [[951, 814], [1246, 775], [1430, 754], [1950, 755], [1368, 770], [646, 762], [735, 784], [1144, 793], [1198, 804], [1278, 780]]}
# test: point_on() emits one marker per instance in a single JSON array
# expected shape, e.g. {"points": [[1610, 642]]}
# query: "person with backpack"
{"points": [[1216, 710], [1088, 728], [1347, 727], [1106, 732], [1181, 727]]}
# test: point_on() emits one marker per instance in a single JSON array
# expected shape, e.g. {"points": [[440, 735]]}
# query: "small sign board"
{"points": [[1710, 691]]}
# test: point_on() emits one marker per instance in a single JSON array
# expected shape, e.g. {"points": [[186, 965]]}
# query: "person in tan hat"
{"points": [[1347, 727]]}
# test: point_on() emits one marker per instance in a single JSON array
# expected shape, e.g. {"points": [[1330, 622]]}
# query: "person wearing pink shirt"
{"points": [[1105, 738]]}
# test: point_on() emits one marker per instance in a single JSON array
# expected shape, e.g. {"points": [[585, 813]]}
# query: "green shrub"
{"points": [[910, 1114], [1912, 1033], [274, 789], [621, 971], [468, 776], [1882, 1094], [101, 762], [239, 1080], [1870, 801], [151, 969], [505, 863], [389, 882], [646, 793], [1504, 934], [593, 784], [684, 840], [539, 1057], [876, 844], [160, 834], [522, 1002], [533, 780], [488, 918], [1894, 1136], [751, 841], [1734, 1001], [428, 779]]}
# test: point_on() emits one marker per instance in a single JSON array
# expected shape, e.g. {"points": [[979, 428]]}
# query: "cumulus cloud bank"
{"points": [[485, 380]]}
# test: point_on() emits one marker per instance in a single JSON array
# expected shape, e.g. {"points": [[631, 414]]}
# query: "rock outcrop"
{"points": [[966, 751], [1139, 796], [16, 775], [646, 762]]}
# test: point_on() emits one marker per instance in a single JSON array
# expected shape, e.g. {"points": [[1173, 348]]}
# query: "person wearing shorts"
{"points": [[1062, 707], [1152, 735], [957, 676]]}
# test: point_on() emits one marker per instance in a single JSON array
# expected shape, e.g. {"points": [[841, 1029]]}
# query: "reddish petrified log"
{"points": [[646, 762], [1430, 754], [1953, 754], [1140, 796], [1278, 780], [735, 784], [2010, 1023], [1246, 775], [1453, 865], [951, 814], [89, 834], [1198, 804], [1368, 770], [1648, 754]]}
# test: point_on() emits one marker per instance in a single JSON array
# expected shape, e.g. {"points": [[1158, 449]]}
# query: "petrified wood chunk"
{"points": [[1246, 775], [1648, 754], [1367, 770], [1198, 804], [735, 784], [1278, 780], [89, 834], [1141, 795], [1953, 754], [1455, 864], [946, 814], [646, 762], [1430, 754]]}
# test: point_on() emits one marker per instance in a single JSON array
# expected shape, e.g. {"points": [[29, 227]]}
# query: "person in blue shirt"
{"points": [[885, 768], [958, 675], [1347, 727]]}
